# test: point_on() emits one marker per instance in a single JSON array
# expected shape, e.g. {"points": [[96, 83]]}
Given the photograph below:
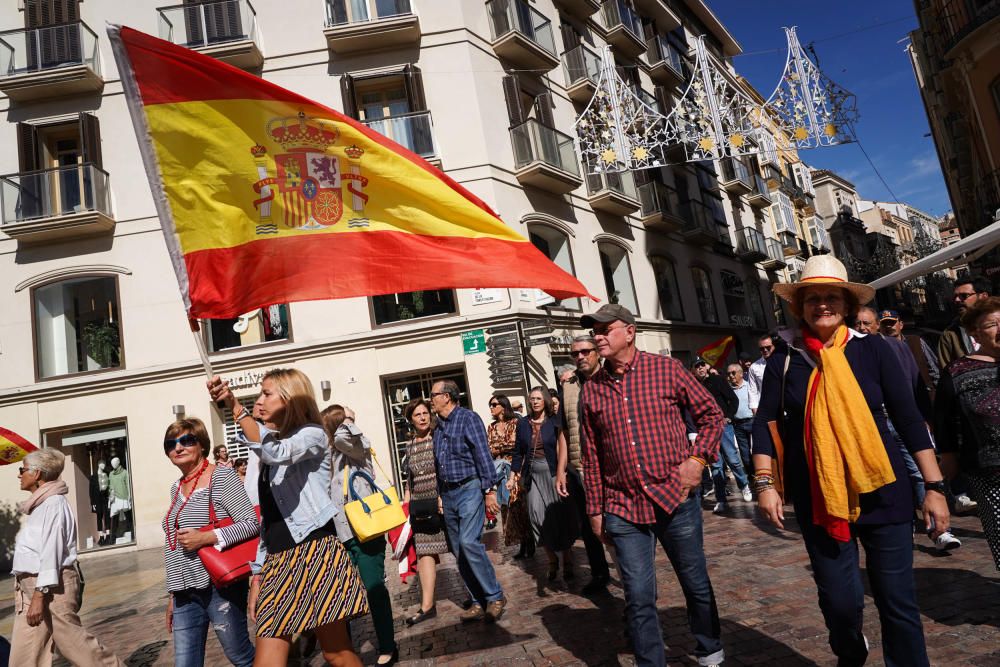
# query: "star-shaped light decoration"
{"points": [[640, 153], [737, 140], [609, 156]]}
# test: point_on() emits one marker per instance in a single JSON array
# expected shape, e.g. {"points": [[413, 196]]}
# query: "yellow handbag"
{"points": [[372, 515]]}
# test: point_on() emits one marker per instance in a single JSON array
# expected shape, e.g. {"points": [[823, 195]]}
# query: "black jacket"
{"points": [[723, 394]]}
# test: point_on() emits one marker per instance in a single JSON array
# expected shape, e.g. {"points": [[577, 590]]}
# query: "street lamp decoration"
{"points": [[810, 108]]}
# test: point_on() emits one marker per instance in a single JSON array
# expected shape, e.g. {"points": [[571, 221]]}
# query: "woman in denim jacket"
{"points": [[303, 578]]}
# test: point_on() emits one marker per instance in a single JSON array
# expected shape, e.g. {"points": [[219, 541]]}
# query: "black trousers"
{"points": [[595, 548]]}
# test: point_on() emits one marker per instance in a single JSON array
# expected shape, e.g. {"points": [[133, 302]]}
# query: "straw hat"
{"points": [[824, 270]]}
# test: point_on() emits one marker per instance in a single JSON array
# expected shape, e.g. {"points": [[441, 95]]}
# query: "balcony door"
{"points": [[53, 33], [57, 167], [393, 105]]}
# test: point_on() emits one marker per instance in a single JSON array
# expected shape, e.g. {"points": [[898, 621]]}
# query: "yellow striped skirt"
{"points": [[311, 585]]}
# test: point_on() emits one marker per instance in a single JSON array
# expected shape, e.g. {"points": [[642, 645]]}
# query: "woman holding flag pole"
{"points": [[303, 578]]}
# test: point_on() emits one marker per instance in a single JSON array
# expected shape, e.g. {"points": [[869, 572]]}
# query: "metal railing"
{"points": [[698, 220], [534, 142], [959, 18], [617, 12], [345, 12], [655, 197], [760, 187], [39, 49], [661, 49], [774, 250], [733, 169], [518, 16], [621, 183], [581, 64], [751, 241], [414, 131], [49, 193], [209, 23]]}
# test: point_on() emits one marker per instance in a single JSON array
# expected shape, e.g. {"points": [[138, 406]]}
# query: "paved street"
{"points": [[766, 600]]}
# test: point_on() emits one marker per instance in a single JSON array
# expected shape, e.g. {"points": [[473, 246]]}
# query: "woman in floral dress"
{"points": [[501, 435]]}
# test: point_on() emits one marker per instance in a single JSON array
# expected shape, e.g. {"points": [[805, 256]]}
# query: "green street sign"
{"points": [[473, 342]]}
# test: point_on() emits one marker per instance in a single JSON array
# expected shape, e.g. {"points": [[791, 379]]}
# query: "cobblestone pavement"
{"points": [[767, 603]]}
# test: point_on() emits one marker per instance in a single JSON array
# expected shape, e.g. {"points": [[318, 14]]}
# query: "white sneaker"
{"points": [[709, 493], [720, 508], [947, 542], [964, 504], [747, 496]]}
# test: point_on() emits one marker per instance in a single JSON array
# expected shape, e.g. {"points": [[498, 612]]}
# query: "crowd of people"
{"points": [[865, 431]]}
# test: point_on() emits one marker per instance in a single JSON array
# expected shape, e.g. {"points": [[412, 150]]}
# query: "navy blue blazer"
{"points": [[883, 383], [551, 428]]}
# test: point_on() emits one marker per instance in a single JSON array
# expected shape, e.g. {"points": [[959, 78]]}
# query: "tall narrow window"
{"points": [[617, 276], [703, 292], [77, 327], [667, 288], [555, 245]]}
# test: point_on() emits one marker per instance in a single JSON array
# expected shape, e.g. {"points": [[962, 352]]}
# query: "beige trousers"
{"points": [[32, 646]]}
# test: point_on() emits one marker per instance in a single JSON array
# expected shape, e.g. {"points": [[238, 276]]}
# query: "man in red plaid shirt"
{"points": [[642, 478]]}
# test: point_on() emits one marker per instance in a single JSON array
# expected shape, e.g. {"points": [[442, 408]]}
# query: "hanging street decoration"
{"points": [[713, 119]]}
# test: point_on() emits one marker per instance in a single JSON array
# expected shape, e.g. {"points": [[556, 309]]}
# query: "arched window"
{"points": [[667, 288], [703, 291], [554, 244], [76, 325], [617, 275]]}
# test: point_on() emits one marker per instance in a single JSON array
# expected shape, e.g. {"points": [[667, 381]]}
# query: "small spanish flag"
{"points": [[716, 352], [266, 197], [13, 447]]}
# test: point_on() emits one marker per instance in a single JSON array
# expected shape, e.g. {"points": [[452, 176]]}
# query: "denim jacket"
{"points": [[300, 480]]}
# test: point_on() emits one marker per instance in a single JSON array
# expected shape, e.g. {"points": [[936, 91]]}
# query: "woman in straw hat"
{"points": [[842, 471]]}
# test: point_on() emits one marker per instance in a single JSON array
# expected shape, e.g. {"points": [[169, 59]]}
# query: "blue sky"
{"points": [[867, 59]]}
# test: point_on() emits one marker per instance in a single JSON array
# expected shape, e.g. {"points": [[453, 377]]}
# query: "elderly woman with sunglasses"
{"points": [[47, 585], [194, 601]]}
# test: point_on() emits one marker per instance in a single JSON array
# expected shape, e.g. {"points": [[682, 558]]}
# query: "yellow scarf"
{"points": [[848, 456]]}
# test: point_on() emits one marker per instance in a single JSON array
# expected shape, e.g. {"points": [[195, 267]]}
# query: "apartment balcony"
{"points": [[798, 195], [658, 10], [750, 245], [545, 158], [54, 61], [736, 176], [666, 65], [360, 26], [52, 204], [699, 227], [623, 28], [660, 207], [707, 179], [521, 34], [775, 255], [759, 196], [582, 68], [790, 245], [414, 131], [612, 193], [961, 19], [225, 29], [581, 9]]}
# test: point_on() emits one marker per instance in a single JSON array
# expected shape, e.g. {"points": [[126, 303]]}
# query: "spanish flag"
{"points": [[267, 197], [13, 447], [716, 352]]}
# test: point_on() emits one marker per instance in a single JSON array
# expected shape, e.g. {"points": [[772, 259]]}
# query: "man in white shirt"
{"points": [[756, 375], [743, 419]]}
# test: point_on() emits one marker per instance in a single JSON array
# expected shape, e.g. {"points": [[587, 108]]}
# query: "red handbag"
{"points": [[232, 564]]}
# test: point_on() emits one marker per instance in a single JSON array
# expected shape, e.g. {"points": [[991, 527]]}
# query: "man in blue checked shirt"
{"points": [[466, 479]]}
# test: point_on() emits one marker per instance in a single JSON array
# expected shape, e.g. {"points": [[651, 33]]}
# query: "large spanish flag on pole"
{"points": [[13, 447], [267, 197]]}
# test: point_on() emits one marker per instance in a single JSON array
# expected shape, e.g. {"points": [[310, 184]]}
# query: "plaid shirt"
{"points": [[460, 448], [636, 438]]}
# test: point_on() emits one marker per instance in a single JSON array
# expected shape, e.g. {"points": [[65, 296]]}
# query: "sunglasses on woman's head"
{"points": [[186, 440]]}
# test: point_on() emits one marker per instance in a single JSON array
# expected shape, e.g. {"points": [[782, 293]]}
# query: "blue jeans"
{"points": [[889, 560], [681, 537], [464, 515], [743, 432], [731, 457], [226, 610]]}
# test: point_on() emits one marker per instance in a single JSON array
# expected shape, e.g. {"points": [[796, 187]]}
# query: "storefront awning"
{"points": [[962, 252]]}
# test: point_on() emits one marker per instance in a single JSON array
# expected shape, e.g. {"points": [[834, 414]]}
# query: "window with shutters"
{"points": [[703, 292], [783, 213], [54, 37], [264, 325], [231, 431], [393, 105], [209, 22]]}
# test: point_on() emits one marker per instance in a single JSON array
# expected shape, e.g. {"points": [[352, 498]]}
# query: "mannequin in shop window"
{"points": [[119, 501], [99, 498]]}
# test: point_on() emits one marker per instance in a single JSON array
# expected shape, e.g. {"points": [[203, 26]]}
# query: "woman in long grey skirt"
{"points": [[553, 520]]}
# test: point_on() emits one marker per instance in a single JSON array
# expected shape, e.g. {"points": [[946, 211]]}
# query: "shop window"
{"points": [[617, 275], [667, 288], [98, 472], [400, 390], [555, 245], [734, 294], [77, 327], [703, 292], [389, 308], [264, 325]]}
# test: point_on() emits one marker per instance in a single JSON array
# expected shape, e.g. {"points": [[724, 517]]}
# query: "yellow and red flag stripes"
{"points": [[267, 197], [716, 352], [13, 447]]}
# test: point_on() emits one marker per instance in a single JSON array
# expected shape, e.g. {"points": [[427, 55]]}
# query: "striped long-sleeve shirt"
{"points": [[184, 568]]}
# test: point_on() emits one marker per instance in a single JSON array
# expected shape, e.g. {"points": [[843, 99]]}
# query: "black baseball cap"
{"points": [[609, 312]]}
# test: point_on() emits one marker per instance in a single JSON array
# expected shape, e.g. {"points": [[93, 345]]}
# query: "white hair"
{"points": [[48, 462]]}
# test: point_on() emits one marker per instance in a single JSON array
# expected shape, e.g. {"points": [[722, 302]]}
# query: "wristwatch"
{"points": [[935, 486], [44, 590]]}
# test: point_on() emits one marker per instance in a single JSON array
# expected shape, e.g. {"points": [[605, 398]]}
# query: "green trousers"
{"points": [[369, 558]]}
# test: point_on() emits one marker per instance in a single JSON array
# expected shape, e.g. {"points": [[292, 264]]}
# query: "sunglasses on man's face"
{"points": [[186, 440]]}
